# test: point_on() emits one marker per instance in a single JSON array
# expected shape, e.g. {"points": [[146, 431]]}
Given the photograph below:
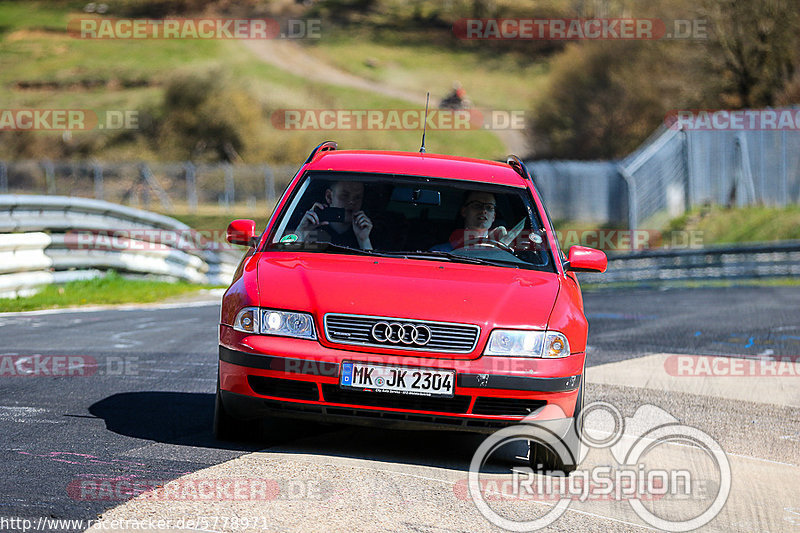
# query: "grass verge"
{"points": [[111, 289], [491, 81], [64, 72], [720, 225], [213, 218]]}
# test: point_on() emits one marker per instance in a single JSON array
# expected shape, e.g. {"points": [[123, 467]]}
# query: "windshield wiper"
{"points": [[430, 254], [329, 246], [456, 258]]}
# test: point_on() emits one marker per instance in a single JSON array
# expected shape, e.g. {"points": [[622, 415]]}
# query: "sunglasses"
{"points": [[481, 206]]}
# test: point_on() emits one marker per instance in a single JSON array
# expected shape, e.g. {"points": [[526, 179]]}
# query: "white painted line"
{"points": [[661, 372], [684, 445]]}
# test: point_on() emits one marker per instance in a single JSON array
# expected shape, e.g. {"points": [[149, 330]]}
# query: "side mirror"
{"points": [[242, 232], [583, 259]]}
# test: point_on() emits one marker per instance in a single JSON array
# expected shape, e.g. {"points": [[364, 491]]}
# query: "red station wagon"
{"points": [[404, 289]]}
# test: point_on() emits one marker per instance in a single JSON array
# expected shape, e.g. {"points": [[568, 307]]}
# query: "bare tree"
{"points": [[754, 46]]}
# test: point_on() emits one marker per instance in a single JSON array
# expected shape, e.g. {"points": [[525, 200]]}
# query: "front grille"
{"points": [[284, 388], [445, 337], [485, 405], [456, 404]]}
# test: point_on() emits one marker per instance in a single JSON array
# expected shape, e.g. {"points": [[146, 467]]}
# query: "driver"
{"points": [[478, 211], [353, 231]]}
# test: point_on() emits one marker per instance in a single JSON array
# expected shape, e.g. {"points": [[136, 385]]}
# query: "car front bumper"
{"points": [[299, 378]]}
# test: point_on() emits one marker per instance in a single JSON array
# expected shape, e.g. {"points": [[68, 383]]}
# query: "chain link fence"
{"points": [[673, 171], [167, 187], [582, 191], [656, 176], [676, 170]]}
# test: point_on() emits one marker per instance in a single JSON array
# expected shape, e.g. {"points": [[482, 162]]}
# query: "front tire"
{"points": [[543, 459], [226, 427]]}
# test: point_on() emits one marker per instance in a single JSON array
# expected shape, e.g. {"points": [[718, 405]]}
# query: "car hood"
{"points": [[403, 288]]}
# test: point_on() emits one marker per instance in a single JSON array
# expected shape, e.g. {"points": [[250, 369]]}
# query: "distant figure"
{"points": [[456, 99]]}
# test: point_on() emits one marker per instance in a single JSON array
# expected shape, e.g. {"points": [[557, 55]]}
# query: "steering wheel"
{"points": [[486, 241]]}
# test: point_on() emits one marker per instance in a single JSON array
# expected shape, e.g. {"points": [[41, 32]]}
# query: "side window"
{"points": [[549, 224], [290, 214]]}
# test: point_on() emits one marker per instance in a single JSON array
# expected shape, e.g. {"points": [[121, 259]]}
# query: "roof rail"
{"points": [[519, 167], [327, 146]]}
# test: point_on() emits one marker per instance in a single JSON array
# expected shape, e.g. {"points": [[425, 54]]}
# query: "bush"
{"points": [[605, 98], [157, 9], [205, 116]]}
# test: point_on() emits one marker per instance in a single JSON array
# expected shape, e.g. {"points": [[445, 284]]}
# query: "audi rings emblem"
{"points": [[397, 333]]}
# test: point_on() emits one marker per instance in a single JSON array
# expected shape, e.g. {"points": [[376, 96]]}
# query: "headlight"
{"points": [[516, 343], [274, 322]]}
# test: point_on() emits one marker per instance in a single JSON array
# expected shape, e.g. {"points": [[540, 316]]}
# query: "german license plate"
{"points": [[397, 379]]}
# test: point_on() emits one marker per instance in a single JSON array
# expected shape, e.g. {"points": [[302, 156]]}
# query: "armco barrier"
{"points": [[24, 252], [765, 260], [25, 283], [40, 243]]}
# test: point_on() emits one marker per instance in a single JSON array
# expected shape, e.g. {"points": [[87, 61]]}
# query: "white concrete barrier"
{"points": [[42, 238]]}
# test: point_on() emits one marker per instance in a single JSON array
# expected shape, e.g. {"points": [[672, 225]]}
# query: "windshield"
{"points": [[416, 217]]}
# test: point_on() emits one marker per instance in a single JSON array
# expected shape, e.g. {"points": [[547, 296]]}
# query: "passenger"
{"points": [[353, 231], [478, 212]]}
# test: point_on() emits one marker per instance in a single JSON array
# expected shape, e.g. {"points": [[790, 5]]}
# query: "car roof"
{"points": [[417, 164]]}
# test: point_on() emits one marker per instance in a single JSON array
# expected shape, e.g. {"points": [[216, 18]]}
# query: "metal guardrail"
{"points": [[26, 283], [53, 239], [24, 252], [763, 260]]}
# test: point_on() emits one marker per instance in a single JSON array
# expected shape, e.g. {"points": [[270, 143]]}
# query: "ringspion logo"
{"points": [[699, 480]]}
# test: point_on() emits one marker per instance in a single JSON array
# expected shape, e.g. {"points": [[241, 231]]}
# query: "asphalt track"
{"points": [[139, 409]]}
